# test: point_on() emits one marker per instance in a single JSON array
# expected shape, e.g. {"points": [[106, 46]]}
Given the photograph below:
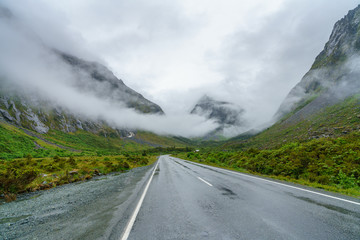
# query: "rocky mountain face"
{"points": [[30, 110], [226, 114], [33, 112], [100, 81], [333, 76]]}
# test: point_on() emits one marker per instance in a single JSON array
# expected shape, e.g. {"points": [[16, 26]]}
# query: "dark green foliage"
{"points": [[334, 162], [30, 174], [15, 178]]}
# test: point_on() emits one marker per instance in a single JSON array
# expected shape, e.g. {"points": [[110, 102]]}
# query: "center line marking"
{"points": [[205, 181]]}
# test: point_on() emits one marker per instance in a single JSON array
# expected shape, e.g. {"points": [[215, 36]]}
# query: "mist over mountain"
{"points": [[33, 110], [326, 102], [97, 79], [45, 78], [333, 76], [229, 116]]}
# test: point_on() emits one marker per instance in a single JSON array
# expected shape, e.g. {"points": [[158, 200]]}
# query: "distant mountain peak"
{"points": [[226, 114], [344, 41]]}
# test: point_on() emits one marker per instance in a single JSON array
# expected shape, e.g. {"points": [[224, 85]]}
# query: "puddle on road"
{"points": [[211, 169], [330, 207], [13, 219], [228, 192], [186, 167], [157, 171]]}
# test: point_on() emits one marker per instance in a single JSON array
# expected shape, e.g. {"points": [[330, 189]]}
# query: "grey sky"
{"points": [[247, 52]]}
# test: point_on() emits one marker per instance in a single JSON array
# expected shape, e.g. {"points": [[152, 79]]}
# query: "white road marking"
{"points": [[285, 185], [137, 209], [205, 181]]}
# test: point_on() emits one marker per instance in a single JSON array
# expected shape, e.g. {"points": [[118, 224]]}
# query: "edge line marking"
{"points": [[282, 184], [137, 209]]}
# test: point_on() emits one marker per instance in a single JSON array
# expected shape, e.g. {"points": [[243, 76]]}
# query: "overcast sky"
{"points": [[247, 52]]}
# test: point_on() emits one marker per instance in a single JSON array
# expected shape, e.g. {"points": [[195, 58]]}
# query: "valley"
{"points": [[122, 145]]}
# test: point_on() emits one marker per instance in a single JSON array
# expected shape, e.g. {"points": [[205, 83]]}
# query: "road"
{"points": [[185, 200]]}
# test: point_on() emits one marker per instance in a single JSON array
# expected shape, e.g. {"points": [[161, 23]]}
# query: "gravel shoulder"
{"points": [[95, 209]]}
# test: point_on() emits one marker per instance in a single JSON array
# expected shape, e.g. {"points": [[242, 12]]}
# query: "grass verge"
{"points": [[33, 174]]}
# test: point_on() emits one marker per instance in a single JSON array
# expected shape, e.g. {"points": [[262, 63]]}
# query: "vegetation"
{"points": [[333, 164], [31, 174], [334, 121]]}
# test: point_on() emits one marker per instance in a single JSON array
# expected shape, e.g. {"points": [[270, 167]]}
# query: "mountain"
{"points": [[227, 115], [40, 114], [326, 102], [40, 127], [100, 81], [333, 75], [30, 109]]}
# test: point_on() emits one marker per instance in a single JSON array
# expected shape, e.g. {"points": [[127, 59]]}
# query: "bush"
{"points": [[15, 180]]}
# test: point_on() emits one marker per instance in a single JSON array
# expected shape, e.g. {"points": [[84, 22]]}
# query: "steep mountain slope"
{"points": [[24, 104], [32, 111], [325, 103], [99, 80], [227, 115], [332, 77]]}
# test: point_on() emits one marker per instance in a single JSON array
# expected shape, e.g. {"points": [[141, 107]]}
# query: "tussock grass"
{"points": [[32, 174]]}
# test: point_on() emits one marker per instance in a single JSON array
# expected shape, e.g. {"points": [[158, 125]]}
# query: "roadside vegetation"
{"points": [[329, 163], [32, 174]]}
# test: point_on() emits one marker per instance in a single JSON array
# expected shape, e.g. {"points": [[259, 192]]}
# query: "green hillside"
{"points": [[18, 143], [337, 120]]}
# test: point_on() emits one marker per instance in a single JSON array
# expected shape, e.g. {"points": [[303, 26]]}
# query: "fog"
{"points": [[250, 54], [36, 69]]}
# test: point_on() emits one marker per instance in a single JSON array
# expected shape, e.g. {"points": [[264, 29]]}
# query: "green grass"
{"points": [[334, 121], [15, 143]]}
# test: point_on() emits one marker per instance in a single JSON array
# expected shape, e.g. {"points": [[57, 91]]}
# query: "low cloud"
{"points": [[35, 68]]}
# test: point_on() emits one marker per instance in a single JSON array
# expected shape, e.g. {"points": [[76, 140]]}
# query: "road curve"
{"points": [[193, 201]]}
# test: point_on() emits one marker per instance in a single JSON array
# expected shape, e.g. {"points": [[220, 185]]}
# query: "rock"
{"points": [[5, 100], [72, 173], [6, 115], [37, 125]]}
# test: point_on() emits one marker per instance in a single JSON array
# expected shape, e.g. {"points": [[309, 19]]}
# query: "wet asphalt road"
{"points": [[191, 201]]}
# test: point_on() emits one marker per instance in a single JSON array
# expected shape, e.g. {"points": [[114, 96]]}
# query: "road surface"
{"points": [[185, 200]]}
